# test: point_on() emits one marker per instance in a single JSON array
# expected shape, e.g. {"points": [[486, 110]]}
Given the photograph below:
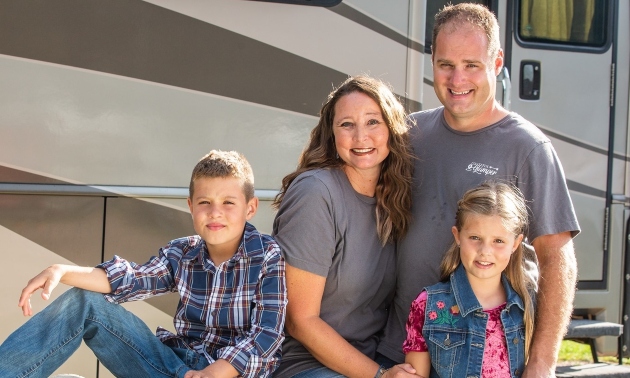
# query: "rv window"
{"points": [[432, 8], [570, 22]]}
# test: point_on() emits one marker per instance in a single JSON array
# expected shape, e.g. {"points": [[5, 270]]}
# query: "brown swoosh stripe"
{"points": [[144, 41]]}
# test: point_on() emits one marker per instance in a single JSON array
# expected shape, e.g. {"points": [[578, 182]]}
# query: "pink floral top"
{"points": [[495, 355]]}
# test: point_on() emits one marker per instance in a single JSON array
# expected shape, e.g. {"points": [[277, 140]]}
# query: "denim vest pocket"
{"points": [[446, 347]]}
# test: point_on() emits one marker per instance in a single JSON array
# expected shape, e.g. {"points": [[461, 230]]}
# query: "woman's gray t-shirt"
{"points": [[325, 227]]}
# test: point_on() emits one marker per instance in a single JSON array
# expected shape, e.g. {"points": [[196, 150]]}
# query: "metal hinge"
{"points": [[612, 85]]}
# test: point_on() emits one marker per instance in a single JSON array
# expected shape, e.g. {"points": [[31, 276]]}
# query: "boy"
{"points": [[230, 278]]}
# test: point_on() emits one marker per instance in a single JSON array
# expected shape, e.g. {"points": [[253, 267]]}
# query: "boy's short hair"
{"points": [[219, 163]]}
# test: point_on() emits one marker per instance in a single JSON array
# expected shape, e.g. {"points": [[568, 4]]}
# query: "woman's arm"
{"points": [[305, 291]]}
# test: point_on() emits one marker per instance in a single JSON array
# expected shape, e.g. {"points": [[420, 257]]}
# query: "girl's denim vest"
{"points": [[455, 328]]}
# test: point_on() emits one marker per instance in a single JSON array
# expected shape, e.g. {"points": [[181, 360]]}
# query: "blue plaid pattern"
{"points": [[235, 311]]}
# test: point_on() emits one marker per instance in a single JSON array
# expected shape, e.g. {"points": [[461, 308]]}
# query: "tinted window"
{"points": [[570, 22]]}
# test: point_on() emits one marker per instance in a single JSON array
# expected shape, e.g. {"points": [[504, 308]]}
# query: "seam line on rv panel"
{"points": [[585, 189], [362, 19], [111, 191], [580, 144]]}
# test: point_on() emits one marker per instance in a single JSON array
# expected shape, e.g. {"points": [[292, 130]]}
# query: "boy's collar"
{"points": [[251, 244]]}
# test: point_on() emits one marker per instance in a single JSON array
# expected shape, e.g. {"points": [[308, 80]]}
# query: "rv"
{"points": [[105, 107]]}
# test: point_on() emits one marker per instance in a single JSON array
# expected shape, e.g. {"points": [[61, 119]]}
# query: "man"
{"points": [[468, 140]]}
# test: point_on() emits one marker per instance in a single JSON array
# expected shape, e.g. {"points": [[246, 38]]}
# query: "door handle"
{"points": [[530, 80]]}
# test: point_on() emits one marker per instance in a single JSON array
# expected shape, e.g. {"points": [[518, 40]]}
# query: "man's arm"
{"points": [[556, 290]]}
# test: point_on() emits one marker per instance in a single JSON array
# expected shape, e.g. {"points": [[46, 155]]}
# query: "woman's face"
{"points": [[361, 134]]}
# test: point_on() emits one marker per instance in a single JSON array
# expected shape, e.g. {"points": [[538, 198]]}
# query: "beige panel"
{"points": [[580, 164], [32, 260], [314, 33], [95, 128]]}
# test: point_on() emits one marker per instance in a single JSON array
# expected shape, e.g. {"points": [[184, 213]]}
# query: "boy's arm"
{"points": [[93, 279], [217, 369], [256, 352]]}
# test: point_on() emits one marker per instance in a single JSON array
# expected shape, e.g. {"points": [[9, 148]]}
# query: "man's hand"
{"points": [[541, 370]]}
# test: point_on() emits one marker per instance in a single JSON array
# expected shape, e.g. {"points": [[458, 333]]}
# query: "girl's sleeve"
{"points": [[415, 341]]}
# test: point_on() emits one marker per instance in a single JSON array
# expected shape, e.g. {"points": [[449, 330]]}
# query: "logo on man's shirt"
{"points": [[482, 169]]}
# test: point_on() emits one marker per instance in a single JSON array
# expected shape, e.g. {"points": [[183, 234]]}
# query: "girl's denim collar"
{"points": [[466, 299]]}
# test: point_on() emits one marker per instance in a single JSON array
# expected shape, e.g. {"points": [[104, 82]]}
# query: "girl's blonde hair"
{"points": [[505, 200], [393, 189]]}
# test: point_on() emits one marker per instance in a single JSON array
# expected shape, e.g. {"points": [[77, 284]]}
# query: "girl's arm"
{"points": [[93, 279], [305, 291], [420, 361]]}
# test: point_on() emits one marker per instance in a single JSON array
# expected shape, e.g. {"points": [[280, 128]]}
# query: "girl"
{"points": [[479, 319]]}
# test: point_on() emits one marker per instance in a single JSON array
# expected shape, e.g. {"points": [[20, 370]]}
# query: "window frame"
{"points": [[565, 46], [316, 3]]}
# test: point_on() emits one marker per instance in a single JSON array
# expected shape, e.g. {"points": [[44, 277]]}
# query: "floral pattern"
{"points": [[444, 316], [495, 356]]}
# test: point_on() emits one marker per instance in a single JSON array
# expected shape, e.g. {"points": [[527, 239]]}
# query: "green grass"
{"points": [[574, 353]]}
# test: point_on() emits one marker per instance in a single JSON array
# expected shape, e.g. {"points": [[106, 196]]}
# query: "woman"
{"points": [[339, 215]]}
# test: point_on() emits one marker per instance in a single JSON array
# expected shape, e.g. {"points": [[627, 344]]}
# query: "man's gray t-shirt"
{"points": [[325, 227], [451, 162]]}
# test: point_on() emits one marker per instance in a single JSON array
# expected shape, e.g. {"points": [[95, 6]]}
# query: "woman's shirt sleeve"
{"points": [[304, 226]]}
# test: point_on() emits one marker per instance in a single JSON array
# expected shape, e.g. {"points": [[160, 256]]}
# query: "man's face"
{"points": [[465, 76]]}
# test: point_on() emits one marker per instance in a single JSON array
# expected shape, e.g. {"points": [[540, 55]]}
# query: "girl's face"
{"points": [[485, 246]]}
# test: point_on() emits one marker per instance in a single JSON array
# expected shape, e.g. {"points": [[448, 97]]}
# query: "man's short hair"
{"points": [[224, 164], [475, 15]]}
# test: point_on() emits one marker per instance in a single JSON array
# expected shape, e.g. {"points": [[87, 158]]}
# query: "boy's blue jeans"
{"points": [[118, 338]]}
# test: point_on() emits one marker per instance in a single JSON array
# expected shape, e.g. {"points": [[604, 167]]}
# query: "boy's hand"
{"points": [[47, 280], [219, 368]]}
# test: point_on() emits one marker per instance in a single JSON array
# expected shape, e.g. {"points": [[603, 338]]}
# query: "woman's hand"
{"points": [[401, 371]]}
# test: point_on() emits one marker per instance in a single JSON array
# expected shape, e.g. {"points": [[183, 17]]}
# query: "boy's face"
{"points": [[219, 211]]}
